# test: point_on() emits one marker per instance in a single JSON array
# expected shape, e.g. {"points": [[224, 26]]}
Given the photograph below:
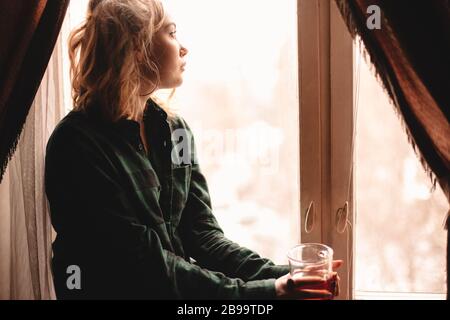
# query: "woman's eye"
{"points": [[173, 34]]}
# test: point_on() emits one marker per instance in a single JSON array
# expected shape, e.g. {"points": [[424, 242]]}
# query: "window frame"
{"points": [[326, 88]]}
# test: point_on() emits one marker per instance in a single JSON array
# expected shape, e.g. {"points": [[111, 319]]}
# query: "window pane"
{"points": [[240, 98], [400, 239]]}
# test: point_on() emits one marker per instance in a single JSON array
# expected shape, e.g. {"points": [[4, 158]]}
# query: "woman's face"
{"points": [[169, 55]]}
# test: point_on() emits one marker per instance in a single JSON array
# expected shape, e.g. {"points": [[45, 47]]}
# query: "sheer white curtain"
{"points": [[25, 228]]}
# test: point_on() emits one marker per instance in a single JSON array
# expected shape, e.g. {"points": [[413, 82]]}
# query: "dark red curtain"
{"points": [[411, 55], [28, 33]]}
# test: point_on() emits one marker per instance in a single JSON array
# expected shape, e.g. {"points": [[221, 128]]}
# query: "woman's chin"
{"points": [[173, 84]]}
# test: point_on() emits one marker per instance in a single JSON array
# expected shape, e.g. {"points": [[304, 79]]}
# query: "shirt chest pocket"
{"points": [[143, 190], [142, 179]]}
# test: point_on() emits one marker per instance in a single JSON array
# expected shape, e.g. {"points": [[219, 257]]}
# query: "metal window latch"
{"points": [[310, 218], [342, 218]]}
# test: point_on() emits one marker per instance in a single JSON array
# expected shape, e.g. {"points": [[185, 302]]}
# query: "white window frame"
{"points": [[326, 130]]}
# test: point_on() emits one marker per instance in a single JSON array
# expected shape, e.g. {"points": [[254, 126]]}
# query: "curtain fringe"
{"points": [[53, 16], [10, 153], [375, 60]]}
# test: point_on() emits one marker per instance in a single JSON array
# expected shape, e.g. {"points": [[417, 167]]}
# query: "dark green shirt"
{"points": [[132, 221]]}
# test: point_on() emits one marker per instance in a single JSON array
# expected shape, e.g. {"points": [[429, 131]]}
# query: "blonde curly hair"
{"points": [[111, 56]]}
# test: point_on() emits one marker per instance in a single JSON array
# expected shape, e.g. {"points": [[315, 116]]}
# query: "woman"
{"points": [[128, 201]]}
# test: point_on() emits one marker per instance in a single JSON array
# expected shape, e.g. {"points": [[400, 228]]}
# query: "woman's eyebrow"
{"points": [[171, 24]]}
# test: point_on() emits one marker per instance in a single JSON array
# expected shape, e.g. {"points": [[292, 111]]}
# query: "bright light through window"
{"points": [[240, 98], [400, 239]]}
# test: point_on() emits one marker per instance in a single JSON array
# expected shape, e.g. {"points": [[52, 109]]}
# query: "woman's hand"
{"points": [[307, 287]]}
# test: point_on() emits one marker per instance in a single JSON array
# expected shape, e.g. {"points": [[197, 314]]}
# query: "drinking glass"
{"points": [[313, 260]]}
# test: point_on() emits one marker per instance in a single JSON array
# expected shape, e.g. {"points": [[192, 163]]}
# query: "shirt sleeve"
{"points": [[81, 183], [206, 242]]}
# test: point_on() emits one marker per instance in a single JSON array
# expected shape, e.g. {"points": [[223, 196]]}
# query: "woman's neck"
{"points": [[141, 105]]}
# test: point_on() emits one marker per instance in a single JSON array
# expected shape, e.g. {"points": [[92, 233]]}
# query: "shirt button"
{"points": [[165, 144], [141, 147]]}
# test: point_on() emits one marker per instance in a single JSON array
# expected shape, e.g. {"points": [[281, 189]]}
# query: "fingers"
{"points": [[312, 294], [334, 284], [311, 287], [336, 288], [337, 264], [308, 280], [305, 282]]}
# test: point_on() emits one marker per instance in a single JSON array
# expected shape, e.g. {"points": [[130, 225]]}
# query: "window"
{"points": [[240, 98], [400, 240], [379, 182]]}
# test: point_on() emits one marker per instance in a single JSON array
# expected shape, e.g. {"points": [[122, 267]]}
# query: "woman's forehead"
{"points": [[168, 20]]}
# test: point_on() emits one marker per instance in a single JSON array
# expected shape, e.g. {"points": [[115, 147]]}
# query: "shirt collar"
{"points": [[153, 115], [153, 109]]}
